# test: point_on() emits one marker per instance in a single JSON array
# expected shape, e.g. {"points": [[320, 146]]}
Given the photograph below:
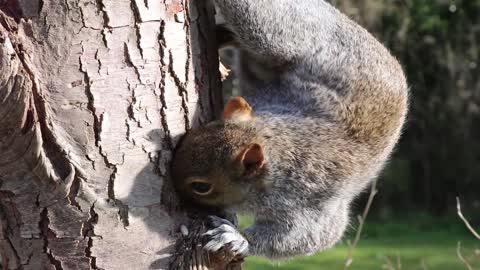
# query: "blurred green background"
{"points": [[419, 243], [413, 223]]}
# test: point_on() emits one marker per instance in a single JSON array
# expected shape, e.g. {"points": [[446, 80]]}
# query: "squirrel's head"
{"points": [[221, 163]]}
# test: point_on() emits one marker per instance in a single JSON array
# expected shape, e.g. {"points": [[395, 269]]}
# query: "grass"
{"points": [[420, 243]]}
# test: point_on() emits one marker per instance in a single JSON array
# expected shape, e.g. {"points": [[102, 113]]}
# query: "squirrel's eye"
{"points": [[201, 188]]}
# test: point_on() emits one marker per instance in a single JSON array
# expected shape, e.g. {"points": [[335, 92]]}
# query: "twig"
{"points": [[459, 254], [388, 263], [361, 222], [423, 264], [459, 212], [399, 262]]}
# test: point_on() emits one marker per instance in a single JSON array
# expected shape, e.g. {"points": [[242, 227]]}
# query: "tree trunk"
{"points": [[94, 95]]}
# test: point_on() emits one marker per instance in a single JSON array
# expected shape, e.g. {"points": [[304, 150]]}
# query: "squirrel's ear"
{"points": [[252, 159], [237, 109]]}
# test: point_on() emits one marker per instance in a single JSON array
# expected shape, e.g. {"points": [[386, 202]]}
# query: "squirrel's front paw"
{"points": [[225, 235]]}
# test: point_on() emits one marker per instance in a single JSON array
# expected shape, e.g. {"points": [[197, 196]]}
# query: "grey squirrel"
{"points": [[297, 151]]}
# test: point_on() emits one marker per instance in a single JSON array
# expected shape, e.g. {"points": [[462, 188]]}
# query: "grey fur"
{"points": [[327, 124]]}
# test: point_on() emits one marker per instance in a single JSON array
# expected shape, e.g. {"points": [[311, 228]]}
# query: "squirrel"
{"points": [[295, 152]]}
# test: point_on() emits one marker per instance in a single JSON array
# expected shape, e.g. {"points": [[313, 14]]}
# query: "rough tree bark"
{"points": [[94, 95]]}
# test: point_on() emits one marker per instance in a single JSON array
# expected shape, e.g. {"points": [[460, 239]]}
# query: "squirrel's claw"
{"points": [[225, 235]]}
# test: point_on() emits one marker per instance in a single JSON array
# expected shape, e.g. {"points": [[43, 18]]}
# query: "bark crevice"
{"points": [[163, 73], [137, 20], [182, 90], [102, 9], [4, 254], [73, 190], [122, 208], [88, 232], [90, 98], [129, 62], [46, 234], [188, 48], [10, 221]]}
